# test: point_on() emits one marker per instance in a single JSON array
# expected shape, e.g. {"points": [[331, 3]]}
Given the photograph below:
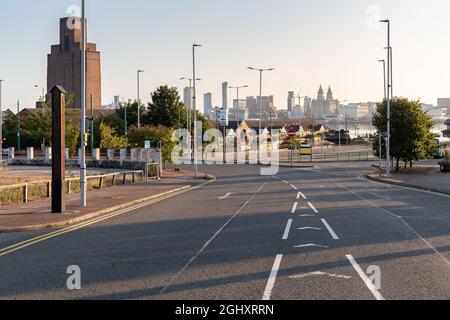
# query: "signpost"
{"points": [[58, 150]]}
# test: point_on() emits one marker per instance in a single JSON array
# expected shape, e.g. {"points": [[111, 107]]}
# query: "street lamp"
{"points": [[83, 173], [138, 98], [388, 97], [260, 92], [237, 106], [194, 106]]}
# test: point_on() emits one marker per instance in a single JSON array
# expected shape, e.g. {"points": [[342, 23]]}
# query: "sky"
{"points": [[308, 42]]}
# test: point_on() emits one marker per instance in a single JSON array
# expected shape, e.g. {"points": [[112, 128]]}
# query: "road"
{"points": [[305, 234]]}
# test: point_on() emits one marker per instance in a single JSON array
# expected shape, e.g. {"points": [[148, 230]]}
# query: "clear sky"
{"points": [[309, 42]]}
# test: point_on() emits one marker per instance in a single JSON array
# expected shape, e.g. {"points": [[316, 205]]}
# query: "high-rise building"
{"points": [[291, 101], [188, 94], [64, 64], [207, 104], [225, 95]]}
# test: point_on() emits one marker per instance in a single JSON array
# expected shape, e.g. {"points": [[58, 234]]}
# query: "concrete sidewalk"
{"points": [[426, 177], [36, 215]]}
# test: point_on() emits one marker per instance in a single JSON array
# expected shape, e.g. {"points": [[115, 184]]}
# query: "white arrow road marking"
{"points": [[364, 278], [330, 230], [300, 194], [294, 208], [293, 187], [319, 273], [312, 207], [288, 229], [310, 245], [225, 196], [309, 228], [272, 278]]}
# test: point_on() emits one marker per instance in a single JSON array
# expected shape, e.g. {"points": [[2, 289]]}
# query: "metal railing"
{"points": [[118, 178], [324, 157]]}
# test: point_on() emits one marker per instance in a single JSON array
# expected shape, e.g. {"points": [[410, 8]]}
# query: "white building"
{"points": [[355, 111], [207, 104], [290, 101], [188, 94]]}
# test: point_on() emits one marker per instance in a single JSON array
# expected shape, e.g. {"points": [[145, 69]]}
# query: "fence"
{"points": [[25, 192], [322, 157]]}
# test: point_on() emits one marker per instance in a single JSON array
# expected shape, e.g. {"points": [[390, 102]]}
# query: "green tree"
{"points": [[411, 136], [72, 137], [155, 135], [166, 109], [37, 127], [109, 139], [131, 109]]}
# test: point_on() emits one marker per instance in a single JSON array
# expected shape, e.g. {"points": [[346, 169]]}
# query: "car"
{"points": [[5, 152]]}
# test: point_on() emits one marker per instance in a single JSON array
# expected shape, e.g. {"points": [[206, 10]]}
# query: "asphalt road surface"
{"points": [[304, 234]]}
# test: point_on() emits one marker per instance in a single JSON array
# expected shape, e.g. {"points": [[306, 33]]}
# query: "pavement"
{"points": [[321, 233], [37, 214], [424, 176]]}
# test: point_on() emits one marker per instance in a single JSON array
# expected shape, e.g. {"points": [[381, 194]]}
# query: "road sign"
{"points": [[147, 145]]}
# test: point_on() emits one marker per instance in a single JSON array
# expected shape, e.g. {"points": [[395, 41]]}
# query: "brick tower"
{"points": [[64, 64]]}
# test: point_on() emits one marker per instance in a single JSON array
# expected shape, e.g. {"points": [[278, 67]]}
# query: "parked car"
{"points": [[5, 152]]}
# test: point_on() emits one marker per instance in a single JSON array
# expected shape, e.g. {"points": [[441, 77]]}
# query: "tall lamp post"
{"points": [[194, 106], [43, 111], [260, 93], [139, 98], [388, 98], [385, 98], [237, 106], [83, 177]]}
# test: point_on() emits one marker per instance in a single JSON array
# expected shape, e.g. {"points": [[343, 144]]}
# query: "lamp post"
{"points": [[260, 92], [125, 117], [237, 106], [388, 98], [139, 98], [43, 112], [194, 106], [385, 98], [83, 178], [339, 120], [18, 126]]}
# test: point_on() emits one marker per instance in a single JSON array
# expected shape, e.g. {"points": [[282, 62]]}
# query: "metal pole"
{"points": [[1, 123], [125, 116], [138, 101], [194, 107], [18, 125], [237, 106], [260, 104], [83, 180], [388, 147], [92, 125]]}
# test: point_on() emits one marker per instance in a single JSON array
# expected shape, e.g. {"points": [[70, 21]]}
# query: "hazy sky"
{"points": [[309, 42]]}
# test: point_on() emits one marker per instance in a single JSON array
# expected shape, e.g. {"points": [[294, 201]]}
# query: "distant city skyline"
{"points": [[309, 43]]}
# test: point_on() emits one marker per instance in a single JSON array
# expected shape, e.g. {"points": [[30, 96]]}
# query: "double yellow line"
{"points": [[57, 233]]}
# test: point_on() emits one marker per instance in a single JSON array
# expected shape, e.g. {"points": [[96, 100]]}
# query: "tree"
{"points": [[109, 138], [155, 135], [132, 113], [411, 136], [37, 127], [166, 109], [72, 137]]}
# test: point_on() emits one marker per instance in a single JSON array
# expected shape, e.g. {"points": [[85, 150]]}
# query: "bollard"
{"points": [[48, 154], [30, 153], [123, 156], [96, 155], [110, 154], [134, 154]]}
